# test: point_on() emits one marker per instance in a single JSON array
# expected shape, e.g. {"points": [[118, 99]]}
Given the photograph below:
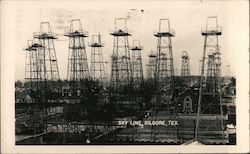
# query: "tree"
{"points": [[18, 84]]}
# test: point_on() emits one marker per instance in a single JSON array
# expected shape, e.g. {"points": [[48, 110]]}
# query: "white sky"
{"points": [[187, 18]]}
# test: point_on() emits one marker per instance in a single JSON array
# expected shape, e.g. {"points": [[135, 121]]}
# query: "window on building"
{"points": [[187, 105]]}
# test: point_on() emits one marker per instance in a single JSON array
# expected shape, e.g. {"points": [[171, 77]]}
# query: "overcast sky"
{"points": [[187, 18]]}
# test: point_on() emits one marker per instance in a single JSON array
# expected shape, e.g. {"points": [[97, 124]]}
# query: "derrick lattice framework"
{"points": [[185, 65], [137, 70], [31, 77], [163, 101], [47, 67], [47, 88], [228, 71], [210, 101], [164, 72], [121, 73], [97, 70], [77, 58], [31, 63], [213, 71], [151, 65]]}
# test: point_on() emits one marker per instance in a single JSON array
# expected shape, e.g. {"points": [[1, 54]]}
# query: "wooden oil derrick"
{"points": [[97, 70], [121, 73], [47, 75], [151, 65], [210, 119]]}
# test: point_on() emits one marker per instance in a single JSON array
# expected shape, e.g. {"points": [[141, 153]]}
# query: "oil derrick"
{"points": [[151, 65], [97, 70], [185, 67], [163, 102], [31, 77], [164, 72], [48, 73], [31, 68], [121, 66], [137, 70], [209, 102], [31, 64], [77, 58], [77, 74], [228, 73], [48, 89], [106, 73], [213, 72]]}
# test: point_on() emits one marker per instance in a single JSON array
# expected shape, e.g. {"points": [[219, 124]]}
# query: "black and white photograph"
{"points": [[143, 73]]}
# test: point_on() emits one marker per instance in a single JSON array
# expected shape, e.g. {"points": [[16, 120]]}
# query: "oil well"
{"points": [[129, 104]]}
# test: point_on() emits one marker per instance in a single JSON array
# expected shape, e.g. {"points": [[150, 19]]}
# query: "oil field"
{"points": [[130, 103]]}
